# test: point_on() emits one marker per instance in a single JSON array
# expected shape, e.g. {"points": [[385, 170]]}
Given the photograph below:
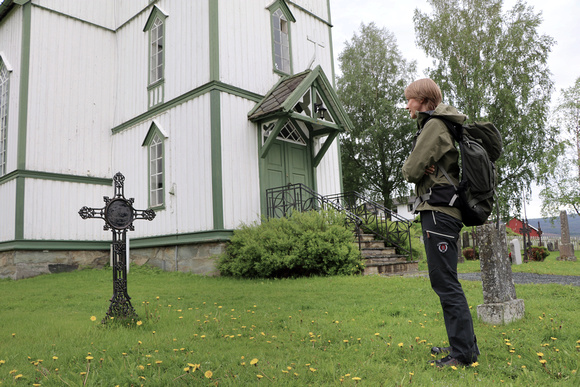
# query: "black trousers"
{"points": [[440, 235]]}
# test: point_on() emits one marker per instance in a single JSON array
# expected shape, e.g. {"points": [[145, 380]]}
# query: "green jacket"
{"points": [[434, 146]]}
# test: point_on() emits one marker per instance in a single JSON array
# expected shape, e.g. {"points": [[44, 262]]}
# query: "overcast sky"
{"points": [[560, 21]]}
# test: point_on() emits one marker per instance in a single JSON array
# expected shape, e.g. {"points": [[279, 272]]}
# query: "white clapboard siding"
{"points": [[70, 100], [187, 47], [187, 168], [327, 173], [51, 210], [241, 184], [308, 35], [245, 41], [316, 7], [100, 12], [131, 70], [7, 213]]}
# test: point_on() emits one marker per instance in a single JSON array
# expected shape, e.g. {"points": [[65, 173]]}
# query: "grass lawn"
{"points": [[315, 331]]}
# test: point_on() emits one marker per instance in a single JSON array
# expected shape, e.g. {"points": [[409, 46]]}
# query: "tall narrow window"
{"points": [[157, 36], [156, 28], [156, 191], [281, 42], [4, 83]]}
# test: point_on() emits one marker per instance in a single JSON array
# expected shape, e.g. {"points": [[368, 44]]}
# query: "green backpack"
{"points": [[480, 145]]}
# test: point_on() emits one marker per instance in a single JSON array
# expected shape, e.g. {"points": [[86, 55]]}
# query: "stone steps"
{"points": [[383, 260]]}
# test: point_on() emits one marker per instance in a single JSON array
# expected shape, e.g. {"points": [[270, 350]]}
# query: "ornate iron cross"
{"points": [[119, 215]]}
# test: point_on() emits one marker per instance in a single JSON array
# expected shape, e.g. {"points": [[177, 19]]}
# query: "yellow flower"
{"points": [[139, 323], [475, 364], [18, 376], [377, 334], [55, 358], [93, 318], [259, 376], [89, 358], [141, 367], [312, 369], [454, 368], [540, 354], [158, 362], [400, 344], [356, 378], [254, 362], [543, 361], [208, 374]]}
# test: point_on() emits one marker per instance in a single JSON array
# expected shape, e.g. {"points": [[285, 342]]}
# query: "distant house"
{"points": [[516, 226], [404, 207]]}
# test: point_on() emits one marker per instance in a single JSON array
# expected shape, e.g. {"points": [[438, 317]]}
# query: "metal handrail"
{"points": [[375, 217], [298, 197]]}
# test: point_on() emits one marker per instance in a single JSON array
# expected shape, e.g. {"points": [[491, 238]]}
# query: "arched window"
{"points": [[155, 143], [155, 26], [280, 21]]}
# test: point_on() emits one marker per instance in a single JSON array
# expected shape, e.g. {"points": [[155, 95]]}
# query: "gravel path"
{"points": [[530, 278]]}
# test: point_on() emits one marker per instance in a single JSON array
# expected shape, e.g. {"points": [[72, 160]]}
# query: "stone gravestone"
{"points": [[501, 305], [466, 239], [566, 249], [516, 251], [550, 246]]}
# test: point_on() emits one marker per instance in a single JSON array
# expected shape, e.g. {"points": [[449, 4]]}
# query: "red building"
{"points": [[516, 226]]}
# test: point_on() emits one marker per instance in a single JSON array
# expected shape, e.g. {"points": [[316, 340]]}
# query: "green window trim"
{"points": [[156, 28], [5, 70], [280, 19], [155, 143]]}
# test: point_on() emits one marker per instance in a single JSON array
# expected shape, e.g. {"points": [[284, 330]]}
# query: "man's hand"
{"points": [[430, 170]]}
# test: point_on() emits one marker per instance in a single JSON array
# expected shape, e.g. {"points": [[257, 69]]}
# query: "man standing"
{"points": [[434, 156]]}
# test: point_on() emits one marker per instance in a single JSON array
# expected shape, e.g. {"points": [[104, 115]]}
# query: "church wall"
{"points": [[327, 172], [51, 210], [70, 99], [7, 212], [240, 174], [188, 169]]}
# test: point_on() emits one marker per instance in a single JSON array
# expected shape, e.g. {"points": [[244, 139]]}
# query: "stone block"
{"points": [[501, 312]]}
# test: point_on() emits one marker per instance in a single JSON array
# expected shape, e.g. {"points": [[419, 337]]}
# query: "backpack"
{"points": [[480, 145]]}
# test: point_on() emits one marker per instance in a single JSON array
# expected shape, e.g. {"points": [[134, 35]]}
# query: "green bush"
{"points": [[537, 253], [303, 244]]}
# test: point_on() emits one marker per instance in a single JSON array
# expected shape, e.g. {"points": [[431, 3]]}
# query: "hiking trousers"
{"points": [[440, 235]]}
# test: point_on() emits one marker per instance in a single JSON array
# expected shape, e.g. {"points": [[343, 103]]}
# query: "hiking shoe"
{"points": [[440, 350], [448, 361]]}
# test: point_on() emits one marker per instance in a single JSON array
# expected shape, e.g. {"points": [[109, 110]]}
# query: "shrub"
{"points": [[537, 253], [303, 244], [470, 253]]}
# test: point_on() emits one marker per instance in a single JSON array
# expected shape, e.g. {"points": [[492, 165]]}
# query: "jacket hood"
{"points": [[442, 110]]}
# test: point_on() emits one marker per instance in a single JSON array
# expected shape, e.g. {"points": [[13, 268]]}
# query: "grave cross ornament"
{"points": [[119, 215]]}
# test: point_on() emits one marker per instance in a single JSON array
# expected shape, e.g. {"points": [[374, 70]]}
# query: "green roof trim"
{"points": [[284, 7]]}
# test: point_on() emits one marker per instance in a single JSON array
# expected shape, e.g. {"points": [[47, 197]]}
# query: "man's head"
{"points": [[426, 92]]}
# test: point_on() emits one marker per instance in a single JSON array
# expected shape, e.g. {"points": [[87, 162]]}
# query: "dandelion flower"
{"points": [[543, 361], [312, 369], [400, 344], [356, 378], [89, 358], [93, 318], [139, 323], [158, 361], [540, 354], [454, 368], [259, 376], [254, 362], [208, 374]]}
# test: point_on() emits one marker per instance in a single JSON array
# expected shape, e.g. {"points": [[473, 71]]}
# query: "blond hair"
{"points": [[426, 91]]}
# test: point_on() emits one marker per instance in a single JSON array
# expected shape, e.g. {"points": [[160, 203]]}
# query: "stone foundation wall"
{"points": [[194, 258]]}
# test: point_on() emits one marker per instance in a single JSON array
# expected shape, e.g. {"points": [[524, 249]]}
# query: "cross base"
{"points": [[120, 308]]}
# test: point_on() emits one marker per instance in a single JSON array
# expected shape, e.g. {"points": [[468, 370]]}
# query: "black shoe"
{"points": [[449, 361], [440, 350]]}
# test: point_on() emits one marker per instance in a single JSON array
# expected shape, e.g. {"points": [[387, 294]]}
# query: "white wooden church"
{"points": [[201, 104]]}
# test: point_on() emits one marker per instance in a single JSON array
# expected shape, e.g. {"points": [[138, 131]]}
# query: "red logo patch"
{"points": [[443, 247]]}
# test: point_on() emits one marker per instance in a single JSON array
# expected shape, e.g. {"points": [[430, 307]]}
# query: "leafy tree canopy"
{"points": [[562, 188], [493, 67], [374, 76]]}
